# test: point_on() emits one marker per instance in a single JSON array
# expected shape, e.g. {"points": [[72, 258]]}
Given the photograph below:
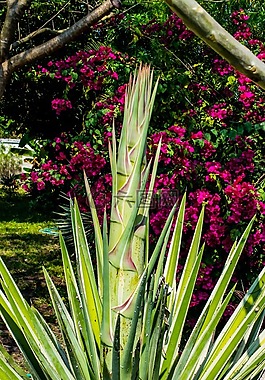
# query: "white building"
{"points": [[25, 154]]}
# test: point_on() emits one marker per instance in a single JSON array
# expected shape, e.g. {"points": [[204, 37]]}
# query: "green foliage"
{"points": [[10, 166], [222, 10], [5, 126]]}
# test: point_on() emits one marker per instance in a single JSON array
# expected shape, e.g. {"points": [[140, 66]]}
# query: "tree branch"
{"points": [[205, 27], [34, 34], [41, 29], [59, 41], [15, 9]]}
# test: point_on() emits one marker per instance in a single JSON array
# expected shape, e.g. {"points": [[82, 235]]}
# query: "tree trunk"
{"points": [[4, 77]]}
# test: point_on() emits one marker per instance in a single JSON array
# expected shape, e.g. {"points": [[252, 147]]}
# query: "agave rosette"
{"points": [[125, 318]]}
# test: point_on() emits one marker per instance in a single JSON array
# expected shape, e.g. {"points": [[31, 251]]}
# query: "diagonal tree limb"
{"points": [[59, 41], [54, 44], [40, 30], [32, 35], [205, 27]]}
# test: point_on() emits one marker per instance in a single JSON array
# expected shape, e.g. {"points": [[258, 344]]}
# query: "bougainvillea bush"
{"points": [[211, 121]]}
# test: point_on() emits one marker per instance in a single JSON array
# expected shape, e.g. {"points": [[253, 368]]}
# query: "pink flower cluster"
{"points": [[230, 200], [59, 105], [92, 69], [222, 67], [172, 29], [243, 201], [220, 111], [243, 31], [72, 159], [205, 283], [239, 16]]}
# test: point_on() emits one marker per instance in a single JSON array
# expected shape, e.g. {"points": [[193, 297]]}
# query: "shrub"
{"points": [[10, 167]]}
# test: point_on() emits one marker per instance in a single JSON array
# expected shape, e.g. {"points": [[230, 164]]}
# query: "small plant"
{"points": [[10, 167], [126, 319], [63, 221]]}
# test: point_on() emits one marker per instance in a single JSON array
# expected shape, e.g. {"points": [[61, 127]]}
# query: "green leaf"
{"points": [[7, 372], [187, 363], [75, 353], [74, 297], [174, 249], [106, 326], [86, 277], [127, 358], [116, 351], [249, 361], [98, 236], [8, 363], [182, 297], [246, 313], [36, 345]]}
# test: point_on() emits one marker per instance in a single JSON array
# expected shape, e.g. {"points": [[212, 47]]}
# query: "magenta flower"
{"points": [[198, 135], [34, 176], [218, 111], [59, 105], [40, 185]]}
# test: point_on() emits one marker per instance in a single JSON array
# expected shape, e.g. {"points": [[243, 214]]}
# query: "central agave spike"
{"points": [[127, 238]]}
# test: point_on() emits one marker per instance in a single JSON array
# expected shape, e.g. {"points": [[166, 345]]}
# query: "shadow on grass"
{"points": [[25, 255], [17, 206], [25, 251]]}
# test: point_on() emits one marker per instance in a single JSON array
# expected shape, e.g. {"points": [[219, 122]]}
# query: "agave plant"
{"points": [[125, 318]]}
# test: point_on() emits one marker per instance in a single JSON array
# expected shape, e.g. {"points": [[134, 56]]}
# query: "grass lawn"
{"points": [[25, 250]]}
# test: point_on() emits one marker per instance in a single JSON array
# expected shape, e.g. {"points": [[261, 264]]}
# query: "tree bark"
{"points": [[205, 27], [15, 9], [34, 34], [4, 77], [9, 65]]}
